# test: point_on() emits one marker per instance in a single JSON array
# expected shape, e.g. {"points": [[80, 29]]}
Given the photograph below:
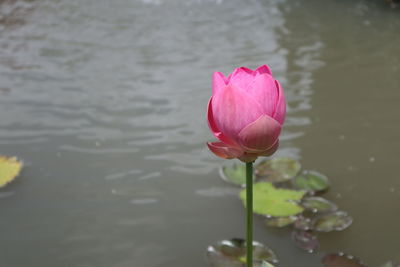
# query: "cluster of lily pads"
{"points": [[287, 196], [284, 195]]}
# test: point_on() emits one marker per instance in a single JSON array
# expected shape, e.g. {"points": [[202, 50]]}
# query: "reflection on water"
{"points": [[106, 103]]}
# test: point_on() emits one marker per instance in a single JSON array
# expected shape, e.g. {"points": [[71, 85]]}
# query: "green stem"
{"points": [[249, 209]]}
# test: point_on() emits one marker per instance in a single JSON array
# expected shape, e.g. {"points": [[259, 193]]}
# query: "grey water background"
{"points": [[105, 103]]}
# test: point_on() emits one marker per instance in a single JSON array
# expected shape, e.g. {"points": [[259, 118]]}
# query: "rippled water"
{"points": [[105, 102]]}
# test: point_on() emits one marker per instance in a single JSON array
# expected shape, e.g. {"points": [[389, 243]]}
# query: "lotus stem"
{"points": [[249, 210]]}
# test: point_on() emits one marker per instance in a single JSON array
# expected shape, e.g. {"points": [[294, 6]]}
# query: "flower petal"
{"points": [[264, 89], [280, 109], [218, 81], [250, 157], [241, 77], [260, 135], [233, 109], [224, 151], [271, 150], [263, 69], [213, 127]]}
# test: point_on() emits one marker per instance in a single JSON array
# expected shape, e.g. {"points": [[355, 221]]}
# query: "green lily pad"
{"points": [[232, 253], [303, 223], [341, 260], [266, 264], [305, 240], [277, 170], [335, 221], [311, 181], [263, 253], [280, 221], [390, 264], [234, 174], [318, 204], [10, 167], [272, 201]]}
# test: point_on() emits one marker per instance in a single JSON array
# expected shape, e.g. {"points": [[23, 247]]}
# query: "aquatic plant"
{"points": [[10, 168], [246, 113], [286, 196]]}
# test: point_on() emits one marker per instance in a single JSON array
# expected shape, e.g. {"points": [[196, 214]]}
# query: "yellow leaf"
{"points": [[9, 169]]}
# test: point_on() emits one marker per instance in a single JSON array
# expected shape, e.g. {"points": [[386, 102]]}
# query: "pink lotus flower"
{"points": [[246, 113]]}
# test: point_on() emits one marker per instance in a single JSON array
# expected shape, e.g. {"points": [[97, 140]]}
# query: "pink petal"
{"points": [[264, 89], [224, 151], [260, 135], [263, 69], [213, 127], [241, 77], [271, 150], [233, 109], [218, 81], [280, 109], [250, 157]]}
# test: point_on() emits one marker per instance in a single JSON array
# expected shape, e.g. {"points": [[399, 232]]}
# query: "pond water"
{"points": [[105, 103]]}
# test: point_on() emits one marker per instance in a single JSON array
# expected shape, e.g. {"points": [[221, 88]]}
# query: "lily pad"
{"points": [[227, 253], [266, 264], [318, 204], [277, 170], [335, 221], [341, 260], [311, 181], [305, 240], [10, 167], [272, 201], [263, 253], [303, 223], [390, 264], [234, 174], [280, 221]]}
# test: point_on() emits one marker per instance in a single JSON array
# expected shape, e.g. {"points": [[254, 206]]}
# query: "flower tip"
{"points": [[243, 68], [264, 69]]}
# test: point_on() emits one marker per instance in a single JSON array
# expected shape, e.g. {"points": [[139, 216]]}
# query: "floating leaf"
{"points": [[341, 260], [229, 253], [305, 240], [391, 264], [311, 181], [269, 200], [266, 264], [234, 174], [303, 223], [318, 204], [280, 221], [277, 169], [263, 253], [338, 221], [9, 169]]}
